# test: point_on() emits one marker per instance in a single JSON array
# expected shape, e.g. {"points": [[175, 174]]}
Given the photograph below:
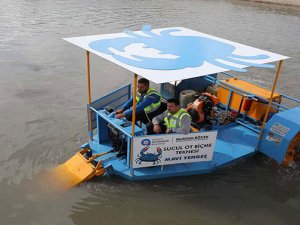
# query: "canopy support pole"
{"points": [[133, 121], [89, 92], [270, 100]]}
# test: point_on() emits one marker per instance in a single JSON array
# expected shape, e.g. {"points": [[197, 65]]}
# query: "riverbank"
{"points": [[282, 2]]}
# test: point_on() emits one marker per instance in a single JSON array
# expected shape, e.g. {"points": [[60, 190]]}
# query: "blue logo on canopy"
{"points": [[189, 51]]}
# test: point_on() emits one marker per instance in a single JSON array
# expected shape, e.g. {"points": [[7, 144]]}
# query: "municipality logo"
{"points": [[147, 156]]}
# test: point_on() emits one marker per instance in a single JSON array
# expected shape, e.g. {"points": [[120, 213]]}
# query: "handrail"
{"points": [[242, 92], [228, 74], [274, 105], [107, 95], [283, 95], [290, 98], [121, 129]]}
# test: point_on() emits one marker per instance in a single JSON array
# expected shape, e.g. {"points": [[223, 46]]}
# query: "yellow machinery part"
{"points": [[193, 129], [258, 109], [291, 154], [76, 170]]}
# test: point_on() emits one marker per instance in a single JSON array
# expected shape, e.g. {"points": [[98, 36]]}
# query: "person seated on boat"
{"points": [[174, 120], [148, 102]]}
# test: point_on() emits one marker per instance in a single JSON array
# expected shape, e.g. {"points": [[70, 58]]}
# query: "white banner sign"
{"points": [[167, 149]]}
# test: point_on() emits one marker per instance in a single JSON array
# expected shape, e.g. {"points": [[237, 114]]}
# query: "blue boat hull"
{"points": [[233, 143]]}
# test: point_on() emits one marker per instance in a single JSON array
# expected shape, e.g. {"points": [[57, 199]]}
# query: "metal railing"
{"points": [[232, 89], [277, 106]]}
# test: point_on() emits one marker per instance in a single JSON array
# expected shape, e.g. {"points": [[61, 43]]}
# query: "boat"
{"points": [[237, 118]]}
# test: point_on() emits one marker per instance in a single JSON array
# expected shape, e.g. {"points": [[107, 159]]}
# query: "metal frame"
{"points": [[130, 135], [271, 97]]}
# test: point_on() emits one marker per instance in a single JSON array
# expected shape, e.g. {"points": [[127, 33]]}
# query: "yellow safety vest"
{"points": [[174, 121], [153, 106]]}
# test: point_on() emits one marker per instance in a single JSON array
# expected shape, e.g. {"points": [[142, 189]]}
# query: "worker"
{"points": [[173, 120], [148, 103]]}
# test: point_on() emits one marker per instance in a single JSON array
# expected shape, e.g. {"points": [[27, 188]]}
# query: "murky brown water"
{"points": [[43, 115]]}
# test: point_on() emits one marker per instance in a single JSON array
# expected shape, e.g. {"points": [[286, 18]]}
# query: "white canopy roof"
{"points": [[176, 53]]}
